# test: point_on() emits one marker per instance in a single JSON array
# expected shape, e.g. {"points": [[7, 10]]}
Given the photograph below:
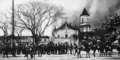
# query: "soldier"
{"points": [[70, 48], [94, 42], [47, 49], [40, 50], [75, 47], [14, 50], [26, 50], [34, 50], [118, 36], [52, 48], [84, 42], [55, 48], [94, 46], [58, 48], [19, 49], [107, 43], [31, 51], [63, 46], [118, 49], [5, 50], [66, 48], [98, 44], [62, 49]]}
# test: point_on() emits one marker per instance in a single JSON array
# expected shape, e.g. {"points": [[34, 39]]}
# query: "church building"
{"points": [[64, 33], [85, 21]]}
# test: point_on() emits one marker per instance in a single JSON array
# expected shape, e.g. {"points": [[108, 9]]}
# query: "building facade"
{"points": [[64, 34]]}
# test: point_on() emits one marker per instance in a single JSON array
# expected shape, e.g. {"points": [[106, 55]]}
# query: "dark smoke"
{"points": [[98, 10]]}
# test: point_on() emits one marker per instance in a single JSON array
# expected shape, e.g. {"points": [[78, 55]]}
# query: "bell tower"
{"points": [[85, 21]]}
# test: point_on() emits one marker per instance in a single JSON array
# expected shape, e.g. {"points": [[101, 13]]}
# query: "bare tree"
{"points": [[37, 17], [4, 26]]}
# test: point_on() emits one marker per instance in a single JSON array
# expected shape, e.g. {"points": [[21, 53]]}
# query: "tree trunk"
{"points": [[35, 38]]}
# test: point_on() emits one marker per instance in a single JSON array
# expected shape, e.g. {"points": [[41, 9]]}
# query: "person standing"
{"points": [[118, 49], [55, 48], [26, 50], [14, 50], [75, 48], [31, 51], [70, 48], [5, 50]]}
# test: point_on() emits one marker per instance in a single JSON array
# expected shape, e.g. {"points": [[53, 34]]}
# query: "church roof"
{"points": [[63, 26], [84, 12]]}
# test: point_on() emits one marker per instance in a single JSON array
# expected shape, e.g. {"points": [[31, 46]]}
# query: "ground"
{"points": [[64, 57]]}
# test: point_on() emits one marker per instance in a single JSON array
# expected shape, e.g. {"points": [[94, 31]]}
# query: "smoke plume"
{"points": [[98, 10]]}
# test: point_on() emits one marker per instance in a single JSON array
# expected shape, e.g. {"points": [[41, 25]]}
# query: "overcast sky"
{"points": [[69, 7], [97, 9]]}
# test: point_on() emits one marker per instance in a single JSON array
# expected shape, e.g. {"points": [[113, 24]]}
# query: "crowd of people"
{"points": [[33, 49]]}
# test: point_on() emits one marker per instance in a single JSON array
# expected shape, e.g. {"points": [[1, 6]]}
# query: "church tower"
{"points": [[85, 21]]}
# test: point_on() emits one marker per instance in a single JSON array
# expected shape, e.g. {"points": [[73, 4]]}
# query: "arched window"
{"points": [[82, 20], [58, 36], [44, 39], [66, 36]]}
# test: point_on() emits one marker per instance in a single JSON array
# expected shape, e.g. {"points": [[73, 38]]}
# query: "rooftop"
{"points": [[63, 26], [84, 12]]}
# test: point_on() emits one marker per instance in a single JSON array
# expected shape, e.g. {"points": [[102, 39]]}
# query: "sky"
{"points": [[98, 10]]}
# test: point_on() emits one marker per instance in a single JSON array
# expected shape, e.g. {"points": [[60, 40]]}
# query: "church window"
{"points": [[66, 31], [88, 28], [44, 39], [88, 20], [82, 20], [66, 36], [58, 36]]}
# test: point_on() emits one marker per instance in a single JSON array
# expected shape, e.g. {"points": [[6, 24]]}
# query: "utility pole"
{"points": [[13, 26], [13, 29]]}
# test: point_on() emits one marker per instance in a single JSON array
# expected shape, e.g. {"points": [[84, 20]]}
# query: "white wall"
{"points": [[63, 32], [85, 18], [60, 40]]}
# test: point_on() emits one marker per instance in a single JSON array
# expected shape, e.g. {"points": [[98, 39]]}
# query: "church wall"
{"points": [[84, 19], [64, 40], [63, 32]]}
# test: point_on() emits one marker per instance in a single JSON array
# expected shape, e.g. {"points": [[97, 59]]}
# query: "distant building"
{"points": [[45, 40], [26, 39]]}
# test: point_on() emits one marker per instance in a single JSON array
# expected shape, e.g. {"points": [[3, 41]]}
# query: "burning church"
{"points": [[64, 33]]}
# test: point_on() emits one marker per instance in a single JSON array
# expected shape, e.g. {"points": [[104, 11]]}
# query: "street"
{"points": [[63, 57]]}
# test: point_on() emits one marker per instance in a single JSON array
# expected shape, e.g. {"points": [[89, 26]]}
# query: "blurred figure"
{"points": [[70, 48], [118, 49], [5, 50], [26, 49], [14, 49], [55, 49], [75, 48]]}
